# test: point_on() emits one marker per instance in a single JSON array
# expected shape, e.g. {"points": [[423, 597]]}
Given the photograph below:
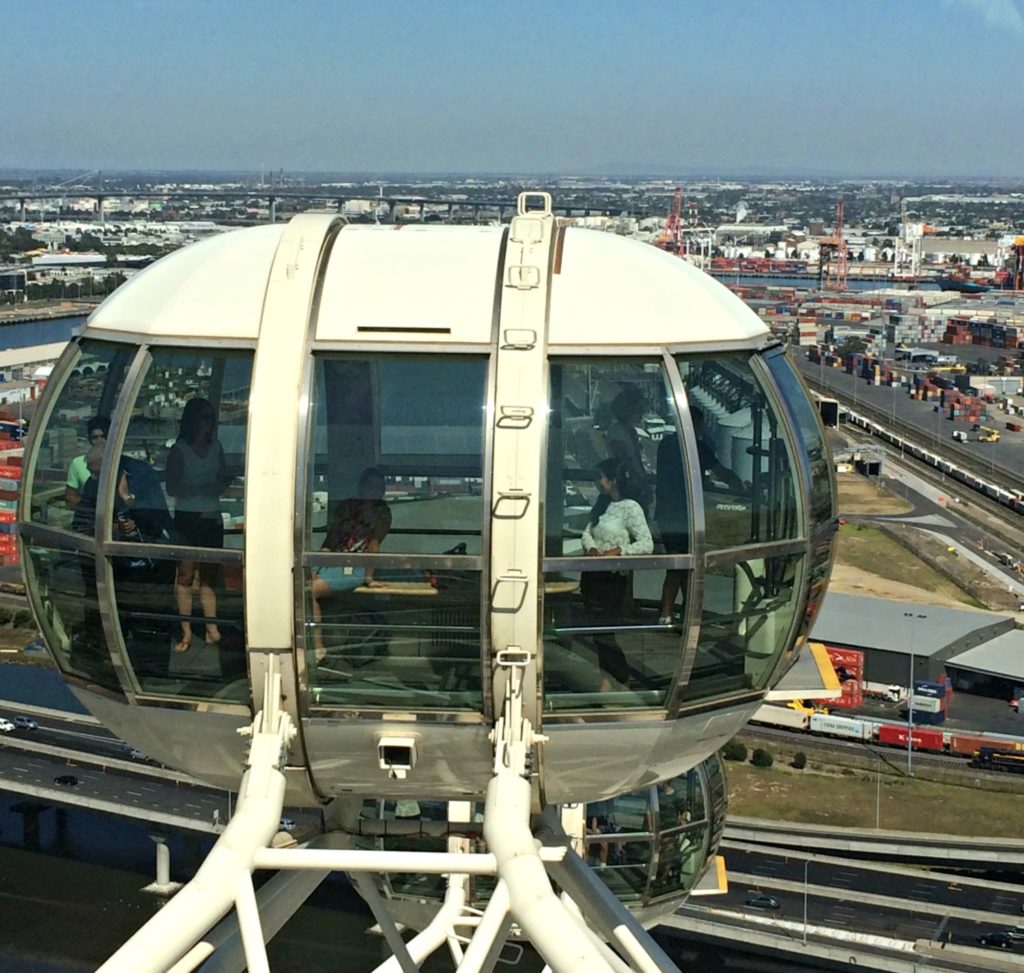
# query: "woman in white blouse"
{"points": [[617, 528]]}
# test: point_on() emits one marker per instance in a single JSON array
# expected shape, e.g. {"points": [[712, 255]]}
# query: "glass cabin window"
{"points": [[615, 487], [62, 583], [604, 644], [184, 451], [180, 481], [747, 614], [809, 429], [395, 468], [167, 637], [682, 854], [619, 414], [78, 425], [748, 475]]}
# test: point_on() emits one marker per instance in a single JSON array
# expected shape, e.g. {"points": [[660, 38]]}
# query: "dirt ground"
{"points": [[855, 581], [859, 496], [957, 583]]}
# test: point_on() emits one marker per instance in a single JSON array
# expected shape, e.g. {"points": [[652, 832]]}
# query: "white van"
{"points": [[6, 726]]}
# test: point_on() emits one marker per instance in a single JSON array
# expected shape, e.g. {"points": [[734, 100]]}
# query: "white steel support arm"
{"points": [[180, 924]]}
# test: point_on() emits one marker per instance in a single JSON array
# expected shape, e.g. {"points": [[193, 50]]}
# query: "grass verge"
{"points": [[847, 799]]}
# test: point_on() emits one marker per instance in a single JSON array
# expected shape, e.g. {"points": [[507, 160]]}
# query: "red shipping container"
{"points": [[966, 744], [849, 667], [8, 516], [10, 472], [922, 739]]}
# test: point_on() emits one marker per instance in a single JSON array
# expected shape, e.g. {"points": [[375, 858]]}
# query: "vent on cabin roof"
{"points": [[400, 329]]}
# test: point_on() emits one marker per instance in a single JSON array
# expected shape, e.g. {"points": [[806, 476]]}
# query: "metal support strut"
{"points": [[567, 931]]}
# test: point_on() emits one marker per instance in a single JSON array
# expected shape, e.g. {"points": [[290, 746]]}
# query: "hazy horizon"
{"points": [[730, 89]]}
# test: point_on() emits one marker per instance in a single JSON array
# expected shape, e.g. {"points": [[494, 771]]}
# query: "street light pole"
{"points": [[878, 792], [807, 864], [910, 695]]}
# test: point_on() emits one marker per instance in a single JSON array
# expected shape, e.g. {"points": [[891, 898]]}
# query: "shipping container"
{"points": [[896, 736], [780, 716], [841, 726], [965, 743]]}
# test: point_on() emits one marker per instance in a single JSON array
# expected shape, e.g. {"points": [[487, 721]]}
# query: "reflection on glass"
{"points": [[749, 488], [395, 467], [184, 449], [655, 842], [602, 652], [79, 422], [747, 612], [151, 623], [399, 825], [410, 640], [809, 429], [63, 583], [419, 421], [605, 411], [657, 835], [682, 854]]}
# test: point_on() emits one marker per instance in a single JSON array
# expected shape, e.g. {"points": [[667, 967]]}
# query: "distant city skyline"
{"points": [[731, 88]]}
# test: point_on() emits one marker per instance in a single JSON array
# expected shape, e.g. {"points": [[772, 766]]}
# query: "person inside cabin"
{"points": [[711, 468], [672, 517], [624, 445], [197, 476], [358, 527], [617, 528], [96, 430]]}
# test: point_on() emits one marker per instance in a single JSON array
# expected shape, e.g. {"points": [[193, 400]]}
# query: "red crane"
{"points": [[672, 229]]}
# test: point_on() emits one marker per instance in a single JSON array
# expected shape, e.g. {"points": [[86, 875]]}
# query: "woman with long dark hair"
{"points": [[617, 528], [196, 477]]}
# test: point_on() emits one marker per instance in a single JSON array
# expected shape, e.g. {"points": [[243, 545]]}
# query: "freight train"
{"points": [[925, 738], [1013, 499], [994, 758]]}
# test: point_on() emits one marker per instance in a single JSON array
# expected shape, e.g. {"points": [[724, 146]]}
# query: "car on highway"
{"points": [[137, 754], [66, 780], [25, 723], [762, 900], [996, 940], [6, 726], [1016, 933]]}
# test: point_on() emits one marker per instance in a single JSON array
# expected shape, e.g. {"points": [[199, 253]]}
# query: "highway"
{"points": [[865, 903]]}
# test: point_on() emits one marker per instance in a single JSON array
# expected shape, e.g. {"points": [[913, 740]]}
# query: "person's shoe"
{"points": [[665, 620]]}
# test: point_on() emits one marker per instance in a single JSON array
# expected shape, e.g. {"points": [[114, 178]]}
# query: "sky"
{"points": [[860, 88]]}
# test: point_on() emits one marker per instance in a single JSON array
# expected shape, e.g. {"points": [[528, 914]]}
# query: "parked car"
{"points": [[66, 780], [25, 723], [762, 900], [997, 940], [6, 726]]}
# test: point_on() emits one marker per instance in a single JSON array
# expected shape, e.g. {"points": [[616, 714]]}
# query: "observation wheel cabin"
{"points": [[398, 461]]}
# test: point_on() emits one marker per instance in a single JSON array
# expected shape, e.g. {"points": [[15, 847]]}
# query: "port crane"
{"points": [[833, 264], [670, 238]]}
